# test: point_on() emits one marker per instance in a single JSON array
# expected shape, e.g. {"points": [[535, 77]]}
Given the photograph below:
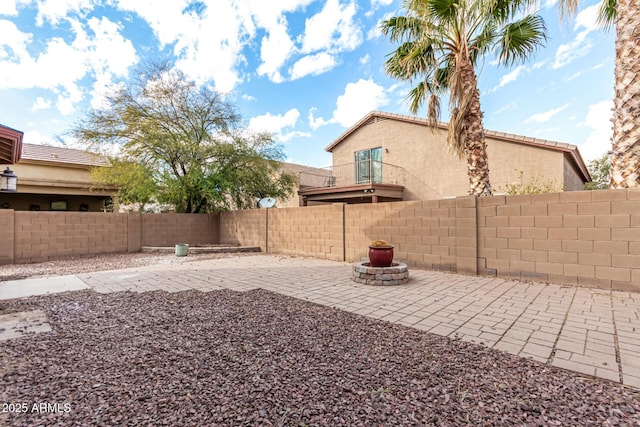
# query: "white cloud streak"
{"points": [[546, 115]]}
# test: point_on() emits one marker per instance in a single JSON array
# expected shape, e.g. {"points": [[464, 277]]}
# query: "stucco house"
{"points": [[55, 178], [392, 157]]}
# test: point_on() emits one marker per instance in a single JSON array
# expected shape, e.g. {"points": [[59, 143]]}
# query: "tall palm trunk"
{"points": [[475, 145], [625, 162]]}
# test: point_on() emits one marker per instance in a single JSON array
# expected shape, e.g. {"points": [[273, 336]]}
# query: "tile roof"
{"points": [[62, 155]]}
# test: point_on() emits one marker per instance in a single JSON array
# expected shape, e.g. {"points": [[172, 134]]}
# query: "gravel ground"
{"points": [[84, 264], [257, 358]]}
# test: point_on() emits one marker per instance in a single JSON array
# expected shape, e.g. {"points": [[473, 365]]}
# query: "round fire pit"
{"points": [[397, 274]]}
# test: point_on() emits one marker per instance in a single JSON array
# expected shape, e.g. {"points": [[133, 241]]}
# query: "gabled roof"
{"points": [[72, 156], [10, 145], [570, 150]]}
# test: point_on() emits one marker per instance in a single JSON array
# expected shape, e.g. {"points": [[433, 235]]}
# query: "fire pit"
{"points": [[396, 274]]}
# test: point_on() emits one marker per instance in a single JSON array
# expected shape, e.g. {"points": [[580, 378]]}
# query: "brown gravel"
{"points": [[226, 358], [87, 263]]}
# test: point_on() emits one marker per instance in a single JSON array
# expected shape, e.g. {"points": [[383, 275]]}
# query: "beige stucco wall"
{"points": [[40, 183], [54, 178], [433, 172]]}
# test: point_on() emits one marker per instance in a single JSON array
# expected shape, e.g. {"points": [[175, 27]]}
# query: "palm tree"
{"points": [[625, 160], [440, 44]]}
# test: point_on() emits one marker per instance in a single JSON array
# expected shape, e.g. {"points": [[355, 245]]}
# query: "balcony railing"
{"points": [[365, 172]]}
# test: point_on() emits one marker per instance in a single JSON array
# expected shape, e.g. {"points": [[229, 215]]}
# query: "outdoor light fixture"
{"points": [[8, 181]]}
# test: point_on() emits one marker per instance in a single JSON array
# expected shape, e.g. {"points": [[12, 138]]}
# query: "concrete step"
{"points": [[213, 249]]}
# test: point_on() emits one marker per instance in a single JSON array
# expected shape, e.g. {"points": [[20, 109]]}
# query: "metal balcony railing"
{"points": [[365, 172]]}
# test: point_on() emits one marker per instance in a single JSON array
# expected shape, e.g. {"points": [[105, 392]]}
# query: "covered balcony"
{"points": [[364, 181]]}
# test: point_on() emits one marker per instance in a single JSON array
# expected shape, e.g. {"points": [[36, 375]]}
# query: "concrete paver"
{"points": [[16, 325], [590, 331], [25, 288]]}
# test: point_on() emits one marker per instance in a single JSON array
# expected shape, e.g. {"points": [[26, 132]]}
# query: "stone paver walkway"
{"points": [[591, 331]]}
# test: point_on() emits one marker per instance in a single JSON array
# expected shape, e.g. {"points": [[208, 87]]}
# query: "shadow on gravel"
{"points": [[259, 358]]}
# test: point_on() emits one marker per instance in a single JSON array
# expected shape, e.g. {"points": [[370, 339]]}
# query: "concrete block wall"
{"points": [[169, 229], [7, 240], [40, 236], [423, 233], [585, 238], [245, 228], [315, 231], [27, 236]]}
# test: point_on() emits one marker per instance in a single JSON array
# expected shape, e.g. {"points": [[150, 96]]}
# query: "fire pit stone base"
{"points": [[396, 274]]}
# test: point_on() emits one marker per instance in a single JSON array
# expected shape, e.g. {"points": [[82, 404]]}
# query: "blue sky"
{"points": [[304, 70]]}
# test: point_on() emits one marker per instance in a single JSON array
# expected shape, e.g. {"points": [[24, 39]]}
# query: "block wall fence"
{"points": [[583, 238], [27, 236]]}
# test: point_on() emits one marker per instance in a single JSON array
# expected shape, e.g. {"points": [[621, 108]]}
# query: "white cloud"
{"points": [[278, 125], [580, 46], [333, 29], [598, 141], [509, 77], [588, 18], [312, 65], [62, 66], [41, 104], [316, 122], [376, 3], [365, 59], [573, 76], [508, 107], [358, 99], [37, 137], [248, 97], [569, 52], [539, 64], [55, 10], [208, 44], [546, 116], [275, 50], [10, 7], [274, 123]]}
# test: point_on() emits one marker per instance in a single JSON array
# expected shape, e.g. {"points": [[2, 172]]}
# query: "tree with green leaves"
{"points": [[182, 144], [440, 44], [600, 171], [625, 157]]}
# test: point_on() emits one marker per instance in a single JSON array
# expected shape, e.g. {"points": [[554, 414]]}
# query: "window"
{"points": [[368, 166]]}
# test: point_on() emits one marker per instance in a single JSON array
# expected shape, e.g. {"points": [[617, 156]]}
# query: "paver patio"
{"points": [[591, 331]]}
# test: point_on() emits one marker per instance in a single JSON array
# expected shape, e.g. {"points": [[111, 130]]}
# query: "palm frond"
{"points": [[520, 39], [568, 8], [457, 133], [442, 10], [402, 28], [607, 14], [433, 110]]}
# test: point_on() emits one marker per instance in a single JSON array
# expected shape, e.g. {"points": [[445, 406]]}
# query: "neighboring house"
{"points": [[10, 146], [308, 177], [392, 157], [54, 178]]}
